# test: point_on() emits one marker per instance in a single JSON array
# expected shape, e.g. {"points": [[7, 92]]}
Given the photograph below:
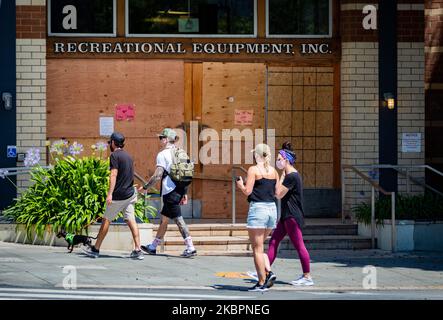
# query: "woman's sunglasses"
{"points": [[161, 137]]}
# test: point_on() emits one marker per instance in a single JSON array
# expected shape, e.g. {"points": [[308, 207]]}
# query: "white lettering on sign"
{"points": [[370, 20], [194, 48], [315, 48], [70, 21]]}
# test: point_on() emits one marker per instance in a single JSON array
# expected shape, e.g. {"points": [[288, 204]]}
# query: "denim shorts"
{"points": [[262, 215]]}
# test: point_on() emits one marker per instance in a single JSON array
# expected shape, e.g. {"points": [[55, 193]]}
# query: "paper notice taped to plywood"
{"points": [[106, 126], [244, 117]]}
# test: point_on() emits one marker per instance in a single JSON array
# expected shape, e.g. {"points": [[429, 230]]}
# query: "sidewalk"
{"points": [[42, 267]]}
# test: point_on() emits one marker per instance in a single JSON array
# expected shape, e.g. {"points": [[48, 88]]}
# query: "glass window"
{"points": [[82, 17], [299, 18], [191, 17]]}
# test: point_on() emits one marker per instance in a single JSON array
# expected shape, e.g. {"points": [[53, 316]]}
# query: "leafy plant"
{"points": [[70, 196], [428, 206]]}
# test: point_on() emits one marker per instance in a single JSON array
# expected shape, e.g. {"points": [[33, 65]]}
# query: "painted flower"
{"points": [[101, 146], [3, 173], [32, 157], [76, 148]]}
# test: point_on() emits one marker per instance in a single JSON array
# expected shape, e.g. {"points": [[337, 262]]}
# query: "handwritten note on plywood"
{"points": [[244, 117]]}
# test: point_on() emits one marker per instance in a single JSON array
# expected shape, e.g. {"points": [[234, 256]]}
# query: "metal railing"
{"points": [[403, 170]]}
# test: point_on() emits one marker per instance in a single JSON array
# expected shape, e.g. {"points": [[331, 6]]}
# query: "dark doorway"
{"points": [[7, 86]]}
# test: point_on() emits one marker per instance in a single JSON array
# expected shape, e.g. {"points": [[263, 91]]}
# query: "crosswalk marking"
{"points": [[94, 294]]}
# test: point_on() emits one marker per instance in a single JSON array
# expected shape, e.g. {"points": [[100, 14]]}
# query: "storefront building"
{"points": [[308, 69]]}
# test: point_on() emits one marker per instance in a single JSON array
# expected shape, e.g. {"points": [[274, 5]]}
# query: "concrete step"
{"points": [[207, 230], [238, 244]]}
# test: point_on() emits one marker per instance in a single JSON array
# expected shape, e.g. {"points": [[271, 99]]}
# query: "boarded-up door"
{"points": [[228, 91]]}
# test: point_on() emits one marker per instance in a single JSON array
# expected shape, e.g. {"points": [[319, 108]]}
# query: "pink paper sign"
{"points": [[125, 112], [244, 117]]}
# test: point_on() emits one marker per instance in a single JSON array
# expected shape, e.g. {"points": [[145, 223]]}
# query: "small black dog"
{"points": [[73, 239]]}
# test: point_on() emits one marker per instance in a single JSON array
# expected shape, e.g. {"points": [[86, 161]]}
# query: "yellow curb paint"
{"points": [[232, 275]]}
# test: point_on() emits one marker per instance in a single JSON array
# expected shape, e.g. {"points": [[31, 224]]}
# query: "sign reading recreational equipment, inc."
{"points": [[194, 48]]}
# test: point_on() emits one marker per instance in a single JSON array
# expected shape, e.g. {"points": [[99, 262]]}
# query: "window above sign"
{"points": [[82, 18], [191, 18], [299, 18]]}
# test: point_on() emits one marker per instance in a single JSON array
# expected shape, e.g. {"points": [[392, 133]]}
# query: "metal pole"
{"points": [[266, 105], [373, 217], [408, 186], [393, 226], [342, 195], [233, 195]]}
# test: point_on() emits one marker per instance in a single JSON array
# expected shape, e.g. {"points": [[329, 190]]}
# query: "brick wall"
{"points": [[360, 86], [359, 114], [31, 79], [411, 106]]}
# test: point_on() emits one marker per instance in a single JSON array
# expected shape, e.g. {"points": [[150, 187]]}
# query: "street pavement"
{"points": [[39, 272]]}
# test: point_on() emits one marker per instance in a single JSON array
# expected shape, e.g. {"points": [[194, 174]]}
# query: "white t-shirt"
{"points": [[164, 160]]}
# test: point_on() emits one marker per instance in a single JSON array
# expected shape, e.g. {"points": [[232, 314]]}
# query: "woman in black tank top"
{"points": [[262, 214]]}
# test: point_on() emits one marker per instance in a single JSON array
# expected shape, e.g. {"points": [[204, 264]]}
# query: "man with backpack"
{"points": [[175, 171]]}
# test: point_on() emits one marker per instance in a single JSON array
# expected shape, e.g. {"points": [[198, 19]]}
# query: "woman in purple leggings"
{"points": [[290, 190]]}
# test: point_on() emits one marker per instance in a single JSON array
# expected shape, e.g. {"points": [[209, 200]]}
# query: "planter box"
{"points": [[119, 236], [411, 235]]}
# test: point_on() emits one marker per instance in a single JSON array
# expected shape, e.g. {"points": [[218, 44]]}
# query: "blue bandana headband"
{"points": [[287, 156]]}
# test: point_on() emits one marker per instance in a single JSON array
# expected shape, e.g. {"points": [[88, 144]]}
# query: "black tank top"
{"points": [[263, 191]]}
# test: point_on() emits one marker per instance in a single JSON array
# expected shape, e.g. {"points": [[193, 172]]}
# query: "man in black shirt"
{"points": [[122, 196]]}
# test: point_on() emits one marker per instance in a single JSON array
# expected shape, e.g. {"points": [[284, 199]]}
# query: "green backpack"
{"points": [[182, 168]]}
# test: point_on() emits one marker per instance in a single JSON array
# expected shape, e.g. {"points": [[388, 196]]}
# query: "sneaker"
{"points": [[258, 288], [253, 275], [189, 253], [303, 281], [137, 254], [270, 278], [149, 250], [91, 251]]}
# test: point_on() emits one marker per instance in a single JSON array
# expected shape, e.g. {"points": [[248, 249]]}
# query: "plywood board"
{"points": [[297, 98], [309, 98], [79, 91], [309, 124], [297, 78], [325, 79], [324, 177], [280, 98], [309, 143], [297, 124], [324, 156], [308, 155], [279, 78], [227, 87], [281, 122], [324, 143], [308, 174], [325, 97], [310, 79], [324, 124]]}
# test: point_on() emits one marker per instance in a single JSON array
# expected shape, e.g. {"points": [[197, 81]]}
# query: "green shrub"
{"points": [[70, 196], [418, 207]]}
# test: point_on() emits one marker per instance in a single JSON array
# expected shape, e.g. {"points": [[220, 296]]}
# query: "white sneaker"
{"points": [[303, 281], [253, 275]]}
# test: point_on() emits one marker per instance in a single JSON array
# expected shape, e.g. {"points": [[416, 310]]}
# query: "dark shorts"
{"points": [[171, 205]]}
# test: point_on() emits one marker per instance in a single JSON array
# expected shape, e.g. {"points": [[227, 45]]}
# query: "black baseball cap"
{"points": [[117, 137]]}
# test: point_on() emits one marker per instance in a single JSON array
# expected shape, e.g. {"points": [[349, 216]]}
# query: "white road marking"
{"points": [[87, 267], [11, 259]]}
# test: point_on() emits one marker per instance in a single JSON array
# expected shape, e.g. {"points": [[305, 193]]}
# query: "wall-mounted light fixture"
{"points": [[389, 100], [7, 100]]}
